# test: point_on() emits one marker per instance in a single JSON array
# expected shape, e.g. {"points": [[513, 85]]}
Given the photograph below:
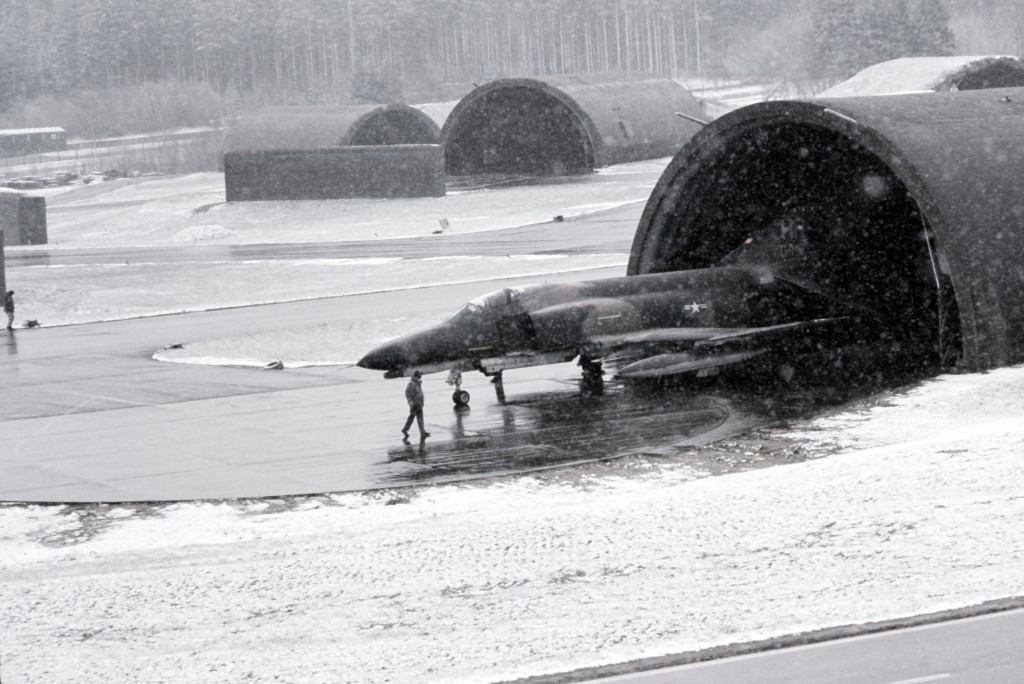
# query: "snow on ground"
{"points": [[913, 511], [916, 509], [326, 344], [58, 295], [191, 209], [320, 345], [719, 101], [721, 98]]}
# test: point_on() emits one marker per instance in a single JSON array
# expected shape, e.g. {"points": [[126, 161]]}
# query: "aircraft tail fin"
{"points": [[822, 291]]}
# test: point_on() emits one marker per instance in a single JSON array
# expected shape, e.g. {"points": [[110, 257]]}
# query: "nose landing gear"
{"points": [[460, 397]]}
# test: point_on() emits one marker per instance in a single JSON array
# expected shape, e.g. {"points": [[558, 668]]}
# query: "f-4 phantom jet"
{"points": [[646, 326]]}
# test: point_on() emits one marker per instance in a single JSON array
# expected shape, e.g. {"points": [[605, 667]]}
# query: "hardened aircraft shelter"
{"points": [[911, 205], [554, 125], [937, 74], [282, 153], [304, 128]]}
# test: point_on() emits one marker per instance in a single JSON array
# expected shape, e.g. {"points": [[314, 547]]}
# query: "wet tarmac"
{"points": [[113, 427], [561, 427], [87, 416], [252, 433]]}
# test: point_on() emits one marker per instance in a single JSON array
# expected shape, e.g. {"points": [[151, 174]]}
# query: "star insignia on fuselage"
{"points": [[695, 308]]}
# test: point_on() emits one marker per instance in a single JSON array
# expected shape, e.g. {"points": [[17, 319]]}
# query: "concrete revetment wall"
{"points": [[374, 171], [296, 153], [23, 219]]}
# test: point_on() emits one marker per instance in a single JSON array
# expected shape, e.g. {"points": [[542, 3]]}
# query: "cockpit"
{"points": [[478, 305], [492, 301]]}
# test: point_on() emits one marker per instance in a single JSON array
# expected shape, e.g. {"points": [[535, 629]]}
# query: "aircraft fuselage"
{"points": [[540, 324]]}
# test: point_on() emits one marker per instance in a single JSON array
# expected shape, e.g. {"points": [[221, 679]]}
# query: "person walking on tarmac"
{"points": [[9, 308], [414, 395]]}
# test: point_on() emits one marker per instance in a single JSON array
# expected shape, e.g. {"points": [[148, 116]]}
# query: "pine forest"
{"points": [[250, 52]]}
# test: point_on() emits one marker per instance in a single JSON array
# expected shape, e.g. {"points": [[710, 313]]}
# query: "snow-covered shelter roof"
{"points": [[937, 74], [567, 123], [898, 189], [318, 127]]}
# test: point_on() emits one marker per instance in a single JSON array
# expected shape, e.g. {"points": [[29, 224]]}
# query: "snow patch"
{"points": [[530, 575], [211, 232], [102, 292], [174, 211], [912, 75]]}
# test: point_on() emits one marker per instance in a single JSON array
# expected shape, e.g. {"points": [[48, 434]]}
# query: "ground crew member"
{"points": [[9, 308], [414, 395]]}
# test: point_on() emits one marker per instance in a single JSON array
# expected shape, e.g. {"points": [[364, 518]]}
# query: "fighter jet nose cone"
{"points": [[385, 358]]}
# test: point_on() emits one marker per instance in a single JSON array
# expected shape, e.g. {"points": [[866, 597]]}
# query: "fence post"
{"points": [[3, 265]]}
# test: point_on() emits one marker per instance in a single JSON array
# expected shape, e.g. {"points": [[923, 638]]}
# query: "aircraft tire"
{"points": [[460, 397]]}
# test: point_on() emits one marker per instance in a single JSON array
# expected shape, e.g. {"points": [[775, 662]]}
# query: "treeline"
{"points": [[234, 54], [849, 35], [316, 47]]}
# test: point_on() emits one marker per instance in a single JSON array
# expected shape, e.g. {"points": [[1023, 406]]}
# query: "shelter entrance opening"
{"points": [[815, 206], [518, 130]]}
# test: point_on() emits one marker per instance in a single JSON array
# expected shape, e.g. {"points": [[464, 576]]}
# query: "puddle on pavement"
{"points": [[561, 437], [555, 429], [715, 429]]}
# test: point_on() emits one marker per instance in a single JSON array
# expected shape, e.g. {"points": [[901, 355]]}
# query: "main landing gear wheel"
{"points": [[460, 397], [499, 387], [592, 382]]}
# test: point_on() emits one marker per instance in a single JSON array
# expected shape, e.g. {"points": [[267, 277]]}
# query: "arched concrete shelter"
{"points": [[283, 153], [869, 175], [311, 128], [567, 124], [937, 74]]}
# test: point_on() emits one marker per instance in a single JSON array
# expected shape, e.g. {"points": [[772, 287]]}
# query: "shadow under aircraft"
{"points": [[761, 302]]}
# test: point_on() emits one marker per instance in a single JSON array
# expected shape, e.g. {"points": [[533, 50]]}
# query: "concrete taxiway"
{"points": [[985, 648], [86, 415]]}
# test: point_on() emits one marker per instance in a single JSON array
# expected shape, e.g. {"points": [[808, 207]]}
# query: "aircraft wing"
{"points": [[691, 337], [655, 336], [673, 351], [684, 362], [762, 334]]}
